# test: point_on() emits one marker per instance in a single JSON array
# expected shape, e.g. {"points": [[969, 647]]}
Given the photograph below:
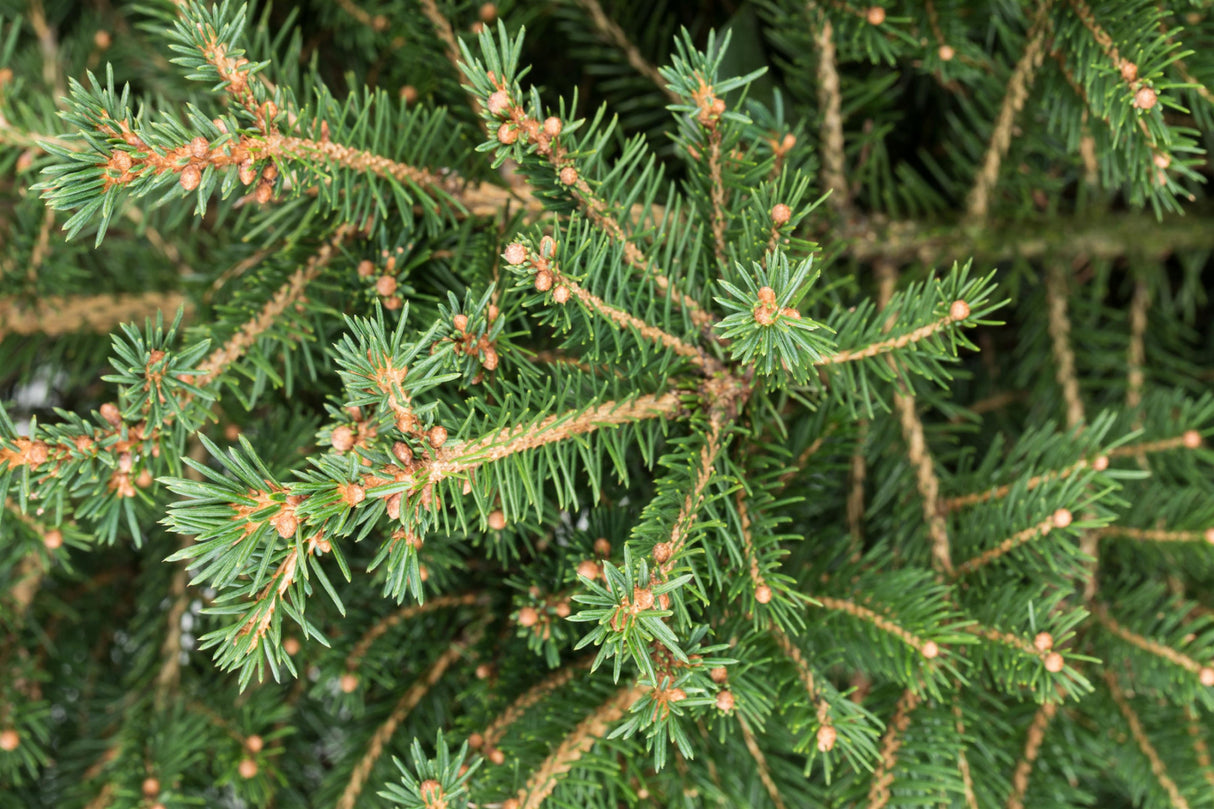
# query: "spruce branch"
{"points": [[1034, 738], [1158, 767]]}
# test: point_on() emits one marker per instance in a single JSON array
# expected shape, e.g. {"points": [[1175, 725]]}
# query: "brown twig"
{"points": [[1158, 768], [1032, 749]]}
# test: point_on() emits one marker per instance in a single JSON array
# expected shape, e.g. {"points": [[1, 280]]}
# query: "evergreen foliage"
{"points": [[431, 404]]}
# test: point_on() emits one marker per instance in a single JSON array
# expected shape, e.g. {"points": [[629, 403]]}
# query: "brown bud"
{"points": [[1129, 71], [10, 740], [102, 39], [826, 738], [53, 539], [342, 438], [408, 94], [676, 695], [497, 520], [780, 214], [1191, 439], [875, 15], [438, 436], [1053, 662], [460, 322], [151, 787], [254, 743], [499, 758], [543, 281], [507, 134], [568, 175], [763, 594], [199, 147], [552, 127], [725, 701], [402, 452], [431, 792], [528, 616], [247, 768], [352, 494], [561, 294], [1062, 518], [291, 646], [1043, 642], [190, 178], [946, 53], [561, 609], [385, 285], [264, 192], [930, 650], [247, 172], [767, 296], [491, 359], [143, 479], [719, 674], [642, 598], [662, 552], [1206, 676], [1145, 98], [393, 506], [499, 103], [515, 254], [349, 682], [476, 740], [589, 569]]}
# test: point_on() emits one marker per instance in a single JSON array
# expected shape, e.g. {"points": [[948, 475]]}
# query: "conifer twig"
{"points": [[1060, 519], [891, 742], [579, 741], [1158, 768], [1201, 750], [928, 648], [55, 315], [407, 702], [830, 107], [1205, 674], [1017, 93], [1157, 534], [963, 764], [612, 34], [958, 312], [1032, 749], [1060, 336], [748, 543], [1136, 353], [826, 740], [516, 710], [756, 753], [377, 630]]}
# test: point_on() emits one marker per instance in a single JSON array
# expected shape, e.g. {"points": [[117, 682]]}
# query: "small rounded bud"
{"points": [[150, 787], [264, 192], [247, 768], [342, 438], [392, 506], [561, 609], [349, 682], [763, 594], [1101, 463], [402, 453], [826, 738], [254, 743], [528, 616], [719, 674], [499, 758], [1162, 160], [946, 53], [460, 322], [109, 412], [662, 552], [291, 646], [780, 214], [499, 102], [787, 142], [552, 126], [10, 740], [959, 310], [121, 161], [1043, 642], [568, 175], [515, 254], [1210, 536], [102, 40], [286, 523], [386, 285], [1191, 439], [717, 107], [676, 695], [789, 312], [764, 316], [143, 479], [1145, 98], [438, 436], [476, 740], [1129, 71], [1206, 676], [588, 569], [53, 539], [543, 281], [247, 172], [352, 494], [875, 15], [488, 12], [1062, 518], [602, 547], [199, 147], [497, 520], [642, 598], [725, 701], [430, 791], [561, 294], [930, 650], [767, 296], [408, 94], [1053, 662], [507, 134], [190, 178]]}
